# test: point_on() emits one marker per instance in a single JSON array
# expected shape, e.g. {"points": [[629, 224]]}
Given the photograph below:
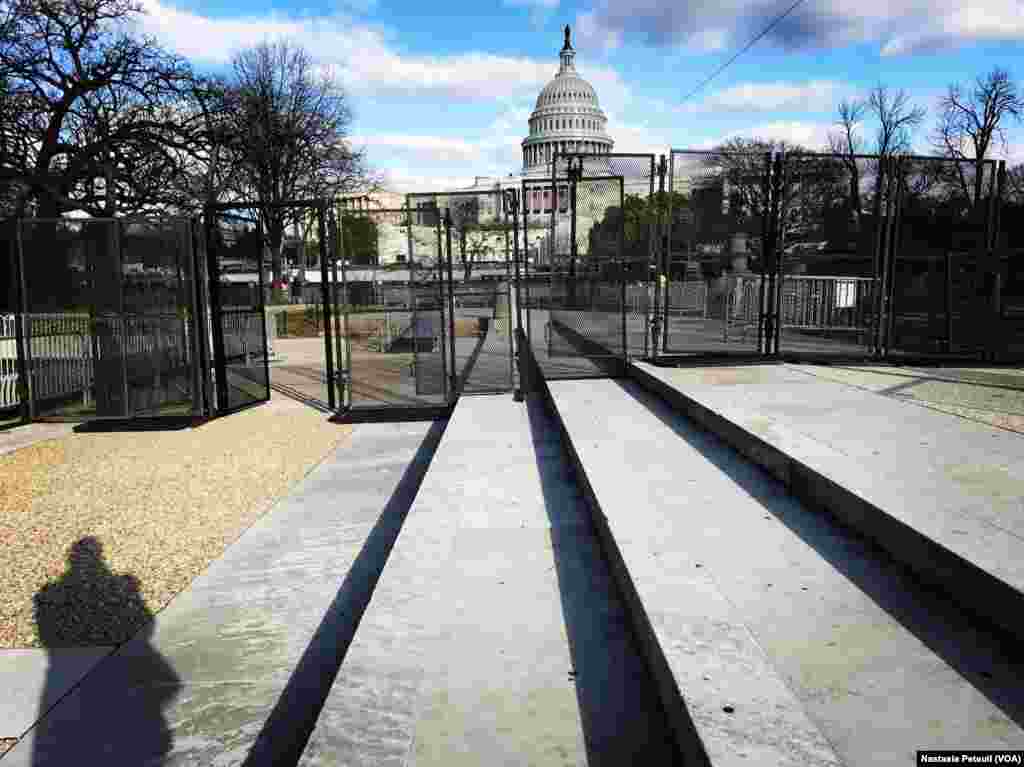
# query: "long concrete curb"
{"points": [[976, 591], [685, 732]]}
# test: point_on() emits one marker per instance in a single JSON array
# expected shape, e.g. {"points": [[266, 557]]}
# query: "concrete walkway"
{"points": [[270, 618], [495, 635], [490, 630], [18, 436], [944, 495], [791, 641]]}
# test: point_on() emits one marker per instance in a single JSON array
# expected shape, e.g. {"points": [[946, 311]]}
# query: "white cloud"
{"points": [[812, 135], [426, 148], [591, 33], [364, 58], [975, 21], [900, 26], [403, 181], [813, 96], [211, 40], [638, 138], [421, 162]]}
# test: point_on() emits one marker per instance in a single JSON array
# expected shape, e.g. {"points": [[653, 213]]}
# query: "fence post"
{"points": [[880, 209], [882, 242], [451, 301], [327, 306], [773, 325], [893, 253], [996, 260], [21, 328]]}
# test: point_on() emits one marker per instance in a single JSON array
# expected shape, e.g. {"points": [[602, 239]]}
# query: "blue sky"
{"points": [[442, 91]]}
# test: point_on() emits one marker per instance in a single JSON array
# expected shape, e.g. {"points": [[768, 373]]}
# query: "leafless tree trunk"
{"points": [[896, 120], [848, 143]]}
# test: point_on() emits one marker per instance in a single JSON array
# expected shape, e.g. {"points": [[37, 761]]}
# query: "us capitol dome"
{"points": [[566, 118]]}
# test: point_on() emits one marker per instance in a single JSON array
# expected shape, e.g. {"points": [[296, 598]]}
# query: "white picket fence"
{"points": [[8, 362], [62, 353]]}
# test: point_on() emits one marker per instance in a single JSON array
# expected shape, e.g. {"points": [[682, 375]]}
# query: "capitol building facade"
{"points": [[566, 118]]}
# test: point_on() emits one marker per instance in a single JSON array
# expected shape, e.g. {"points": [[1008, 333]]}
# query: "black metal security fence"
{"points": [[458, 238], [101, 321], [392, 335], [236, 350], [717, 207], [589, 239], [125, 318], [604, 259], [824, 254]]}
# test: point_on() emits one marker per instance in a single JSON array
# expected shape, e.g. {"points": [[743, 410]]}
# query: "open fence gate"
{"points": [[393, 322], [236, 310], [472, 263]]}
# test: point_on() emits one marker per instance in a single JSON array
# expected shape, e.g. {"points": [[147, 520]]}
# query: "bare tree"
{"points": [[812, 183], [91, 118], [291, 127], [847, 142], [971, 120], [743, 166], [211, 171], [897, 118], [465, 216]]}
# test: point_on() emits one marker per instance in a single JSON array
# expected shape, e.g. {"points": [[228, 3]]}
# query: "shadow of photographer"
{"points": [[109, 717]]}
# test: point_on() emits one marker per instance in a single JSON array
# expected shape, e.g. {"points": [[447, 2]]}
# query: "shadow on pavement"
{"points": [[989, 661], [291, 722], [90, 606], [623, 720], [156, 423]]}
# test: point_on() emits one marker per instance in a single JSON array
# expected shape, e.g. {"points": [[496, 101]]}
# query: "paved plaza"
{"points": [[730, 564]]}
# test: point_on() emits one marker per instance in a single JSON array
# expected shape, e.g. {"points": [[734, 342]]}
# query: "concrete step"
{"points": [[944, 496], [493, 636], [776, 635]]}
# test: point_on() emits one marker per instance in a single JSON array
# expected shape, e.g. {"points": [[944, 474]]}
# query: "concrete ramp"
{"points": [[786, 639]]}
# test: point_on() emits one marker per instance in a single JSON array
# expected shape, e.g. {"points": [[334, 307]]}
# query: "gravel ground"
{"points": [[154, 509]]}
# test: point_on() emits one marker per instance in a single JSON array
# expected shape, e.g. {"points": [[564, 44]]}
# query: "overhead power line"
{"points": [[745, 48]]}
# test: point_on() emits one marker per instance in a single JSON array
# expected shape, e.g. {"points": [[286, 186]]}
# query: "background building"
{"points": [[567, 117]]}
